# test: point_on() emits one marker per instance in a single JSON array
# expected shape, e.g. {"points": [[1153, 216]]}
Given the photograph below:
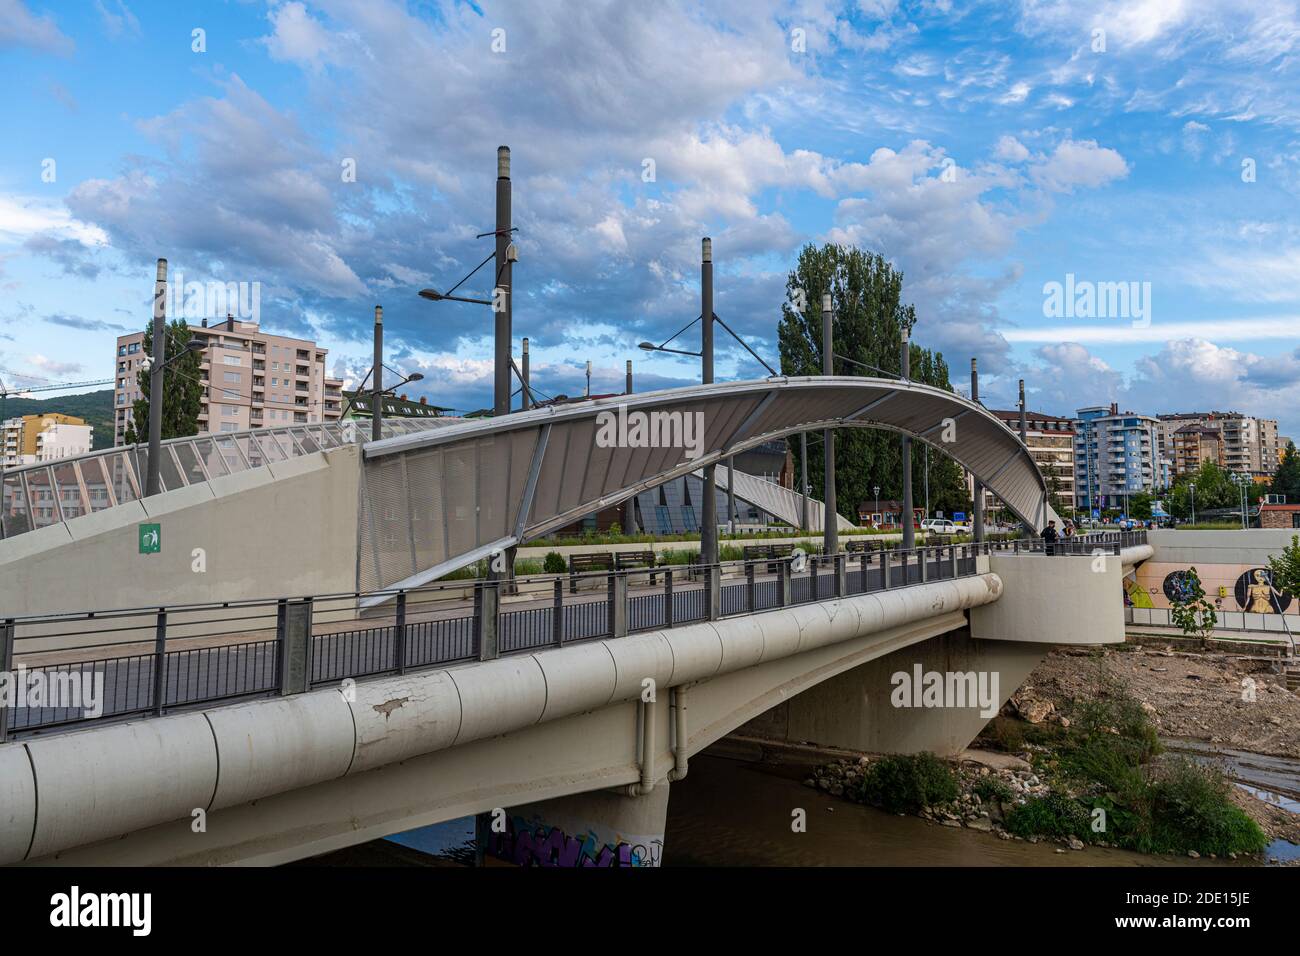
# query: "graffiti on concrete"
{"points": [[534, 843]]}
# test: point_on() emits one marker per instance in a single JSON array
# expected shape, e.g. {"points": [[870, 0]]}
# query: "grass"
{"points": [[1111, 758], [908, 783]]}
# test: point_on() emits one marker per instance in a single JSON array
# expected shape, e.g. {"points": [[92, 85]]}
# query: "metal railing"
{"points": [[149, 661], [34, 496]]}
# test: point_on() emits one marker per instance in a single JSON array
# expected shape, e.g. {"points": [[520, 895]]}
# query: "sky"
{"points": [[1010, 158]]}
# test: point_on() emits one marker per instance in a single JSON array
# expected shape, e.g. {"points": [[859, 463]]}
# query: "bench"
{"points": [[581, 563], [756, 552], [624, 560]]}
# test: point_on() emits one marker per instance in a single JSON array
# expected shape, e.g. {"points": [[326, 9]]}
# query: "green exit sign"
{"points": [[150, 538]]}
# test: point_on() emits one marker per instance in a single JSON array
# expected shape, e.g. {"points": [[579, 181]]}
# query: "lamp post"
{"points": [[977, 511], [876, 489], [909, 533], [830, 526], [709, 533], [159, 359], [1191, 485], [803, 469]]}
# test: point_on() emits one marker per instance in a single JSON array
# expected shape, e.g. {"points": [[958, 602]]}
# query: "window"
{"points": [[229, 427], [233, 360], [233, 377], [121, 350], [229, 411]]}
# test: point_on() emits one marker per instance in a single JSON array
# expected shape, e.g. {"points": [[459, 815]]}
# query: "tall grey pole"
{"points": [[1024, 441], [153, 484], [977, 512], [803, 469], [377, 379], [709, 531], [526, 401], [502, 307], [628, 388], [909, 533], [830, 526], [731, 494]]}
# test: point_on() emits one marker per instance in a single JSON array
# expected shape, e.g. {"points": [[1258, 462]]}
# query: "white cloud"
{"points": [[19, 27], [1010, 149], [1079, 163]]}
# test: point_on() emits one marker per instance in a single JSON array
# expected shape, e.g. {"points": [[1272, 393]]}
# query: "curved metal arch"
{"points": [[490, 484]]}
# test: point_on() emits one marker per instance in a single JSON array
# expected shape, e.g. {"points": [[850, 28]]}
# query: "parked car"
{"points": [[940, 526]]}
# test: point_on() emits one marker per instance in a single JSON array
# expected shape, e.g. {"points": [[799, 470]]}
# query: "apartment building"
{"points": [[1246, 444], [251, 379], [1116, 454], [1051, 444], [35, 438]]}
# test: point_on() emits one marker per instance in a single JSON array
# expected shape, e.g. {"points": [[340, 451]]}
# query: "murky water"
{"points": [[730, 813]]}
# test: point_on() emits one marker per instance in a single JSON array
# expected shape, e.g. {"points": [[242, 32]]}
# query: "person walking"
{"points": [[1050, 536]]}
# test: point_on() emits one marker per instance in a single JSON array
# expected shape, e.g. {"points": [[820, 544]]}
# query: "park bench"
{"points": [[623, 560], [756, 552], [581, 563]]}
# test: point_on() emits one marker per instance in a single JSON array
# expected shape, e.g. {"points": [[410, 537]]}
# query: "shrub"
{"points": [[907, 783], [1191, 810], [1005, 734], [554, 563], [1055, 815], [992, 789]]}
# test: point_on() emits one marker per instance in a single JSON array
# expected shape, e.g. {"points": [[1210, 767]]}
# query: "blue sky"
{"points": [[986, 149]]}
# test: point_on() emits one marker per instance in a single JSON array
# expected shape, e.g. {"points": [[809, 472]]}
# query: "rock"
{"points": [[1193, 854], [1075, 843], [951, 823], [980, 823]]}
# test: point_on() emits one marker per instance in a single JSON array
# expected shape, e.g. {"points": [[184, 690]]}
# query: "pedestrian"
{"points": [[1050, 536]]}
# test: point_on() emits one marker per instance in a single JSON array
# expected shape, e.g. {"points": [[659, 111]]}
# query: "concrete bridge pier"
{"points": [[936, 695], [601, 828]]}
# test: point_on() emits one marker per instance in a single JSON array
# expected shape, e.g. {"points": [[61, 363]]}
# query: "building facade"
{"points": [[1116, 455], [250, 379], [1245, 445], [1050, 439], [35, 438]]}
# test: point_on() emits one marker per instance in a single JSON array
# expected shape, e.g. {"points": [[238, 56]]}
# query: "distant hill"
{"points": [[95, 407]]}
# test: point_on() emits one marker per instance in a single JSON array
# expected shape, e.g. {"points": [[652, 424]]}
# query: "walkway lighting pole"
{"points": [[503, 290], [909, 533], [709, 531], [977, 512], [159, 359], [803, 469], [830, 525], [377, 379]]}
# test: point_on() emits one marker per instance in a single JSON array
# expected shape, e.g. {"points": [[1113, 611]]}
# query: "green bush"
{"points": [[992, 789], [907, 783], [554, 563], [1005, 734], [1191, 810], [1055, 815]]}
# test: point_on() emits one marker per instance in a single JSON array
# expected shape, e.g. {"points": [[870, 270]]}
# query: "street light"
{"points": [[877, 491], [1192, 486], [153, 474]]}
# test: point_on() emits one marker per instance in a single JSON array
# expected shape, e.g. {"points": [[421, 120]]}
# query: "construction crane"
{"points": [[24, 392]]}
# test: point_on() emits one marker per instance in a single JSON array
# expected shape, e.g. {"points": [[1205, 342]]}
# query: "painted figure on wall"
{"points": [[1256, 595]]}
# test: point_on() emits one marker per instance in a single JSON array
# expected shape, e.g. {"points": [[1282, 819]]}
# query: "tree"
{"points": [[1214, 489], [1286, 480], [1284, 570], [182, 389], [1139, 505], [869, 320], [1193, 612]]}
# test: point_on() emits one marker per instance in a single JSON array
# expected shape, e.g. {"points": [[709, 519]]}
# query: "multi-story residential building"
{"points": [[1051, 444], [1193, 445], [1246, 445], [48, 437], [250, 379], [1115, 455]]}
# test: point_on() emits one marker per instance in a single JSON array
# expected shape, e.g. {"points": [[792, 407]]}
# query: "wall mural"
{"points": [[1230, 587], [530, 842]]}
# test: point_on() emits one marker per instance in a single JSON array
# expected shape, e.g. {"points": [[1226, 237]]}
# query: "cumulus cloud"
{"points": [[1079, 163], [19, 27]]}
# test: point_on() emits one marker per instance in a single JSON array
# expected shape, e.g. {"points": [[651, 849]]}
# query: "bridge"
{"points": [[315, 680]]}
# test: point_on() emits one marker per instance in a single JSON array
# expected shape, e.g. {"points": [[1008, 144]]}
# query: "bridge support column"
{"points": [[618, 604], [293, 627], [883, 706], [713, 584], [783, 584], [600, 828]]}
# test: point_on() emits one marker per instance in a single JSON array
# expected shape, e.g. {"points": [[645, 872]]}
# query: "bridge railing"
{"points": [[149, 661]]}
